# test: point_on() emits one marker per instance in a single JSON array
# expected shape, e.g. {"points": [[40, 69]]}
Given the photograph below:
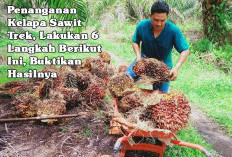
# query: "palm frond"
{"points": [[97, 7], [80, 5], [121, 13], [193, 10], [106, 20]]}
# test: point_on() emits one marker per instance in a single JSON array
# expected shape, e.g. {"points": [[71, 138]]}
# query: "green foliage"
{"points": [[23, 3], [20, 4], [202, 46], [127, 10], [224, 52], [3, 29], [80, 5], [97, 7], [188, 134], [182, 5], [218, 28]]}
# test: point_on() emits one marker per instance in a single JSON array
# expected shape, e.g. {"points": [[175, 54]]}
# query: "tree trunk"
{"points": [[212, 22]]}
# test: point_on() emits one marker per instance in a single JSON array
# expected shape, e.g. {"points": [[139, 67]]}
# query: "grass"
{"points": [[208, 88], [188, 134]]}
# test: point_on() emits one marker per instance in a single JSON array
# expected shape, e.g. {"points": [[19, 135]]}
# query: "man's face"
{"points": [[158, 20]]}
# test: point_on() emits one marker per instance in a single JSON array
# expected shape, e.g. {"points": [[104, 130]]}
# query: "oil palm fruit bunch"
{"points": [[99, 81], [111, 71], [49, 107], [51, 68], [121, 84], [25, 105], [72, 96], [96, 66], [83, 78], [16, 87], [153, 68], [122, 68], [12, 84], [172, 113], [139, 67], [70, 80], [105, 57], [86, 63], [59, 81], [93, 94], [99, 69], [131, 101], [43, 89]]}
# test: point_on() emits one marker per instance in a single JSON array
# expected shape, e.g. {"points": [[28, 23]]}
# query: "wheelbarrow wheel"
{"points": [[141, 153]]}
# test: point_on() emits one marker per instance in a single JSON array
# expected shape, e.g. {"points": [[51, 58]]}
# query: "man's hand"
{"points": [[173, 74], [174, 71]]}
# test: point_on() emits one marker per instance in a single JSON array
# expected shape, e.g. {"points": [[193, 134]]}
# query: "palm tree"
{"points": [[214, 20], [108, 11]]}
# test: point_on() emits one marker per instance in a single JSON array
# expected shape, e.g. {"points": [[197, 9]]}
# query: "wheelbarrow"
{"points": [[126, 142]]}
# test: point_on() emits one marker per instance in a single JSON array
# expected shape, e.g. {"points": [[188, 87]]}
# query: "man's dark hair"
{"points": [[160, 7]]}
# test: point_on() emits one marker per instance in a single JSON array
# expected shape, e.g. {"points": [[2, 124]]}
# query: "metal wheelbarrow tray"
{"points": [[165, 136]]}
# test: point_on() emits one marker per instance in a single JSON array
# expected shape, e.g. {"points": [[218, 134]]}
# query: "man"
{"points": [[158, 36]]}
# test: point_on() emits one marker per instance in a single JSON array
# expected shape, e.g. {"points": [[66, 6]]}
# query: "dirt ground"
{"points": [[212, 132], [80, 136]]}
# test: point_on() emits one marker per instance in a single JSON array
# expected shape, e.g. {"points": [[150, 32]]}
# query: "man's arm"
{"points": [[174, 71], [136, 48]]}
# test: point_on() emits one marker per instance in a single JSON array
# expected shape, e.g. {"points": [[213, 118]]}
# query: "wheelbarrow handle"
{"points": [[119, 141], [207, 153], [191, 145], [117, 146]]}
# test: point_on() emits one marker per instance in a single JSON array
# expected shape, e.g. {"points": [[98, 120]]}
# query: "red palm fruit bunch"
{"points": [[43, 88], [139, 67], [172, 113], [111, 71], [86, 63], [93, 94], [55, 82], [96, 66], [98, 80], [105, 57], [13, 84], [71, 95], [122, 68], [16, 87], [25, 105], [49, 107], [131, 101], [100, 69], [70, 80], [153, 68], [83, 78], [120, 85]]}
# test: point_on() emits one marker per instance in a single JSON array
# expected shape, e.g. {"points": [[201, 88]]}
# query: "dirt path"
{"points": [[210, 130], [212, 133]]}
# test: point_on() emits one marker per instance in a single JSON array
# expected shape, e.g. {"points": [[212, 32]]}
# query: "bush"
{"points": [[202, 46], [224, 52]]}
